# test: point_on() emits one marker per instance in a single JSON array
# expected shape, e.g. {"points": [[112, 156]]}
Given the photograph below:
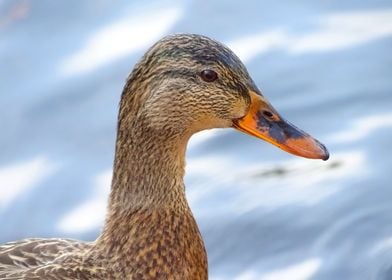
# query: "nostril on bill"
{"points": [[268, 114]]}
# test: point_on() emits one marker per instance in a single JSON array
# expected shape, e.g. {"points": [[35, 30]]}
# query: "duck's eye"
{"points": [[208, 75]]}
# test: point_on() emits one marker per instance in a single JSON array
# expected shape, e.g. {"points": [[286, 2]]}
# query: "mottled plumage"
{"points": [[150, 232]]}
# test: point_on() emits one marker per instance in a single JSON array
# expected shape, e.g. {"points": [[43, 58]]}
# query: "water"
{"points": [[264, 214]]}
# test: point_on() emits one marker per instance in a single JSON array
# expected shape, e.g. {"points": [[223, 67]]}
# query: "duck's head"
{"points": [[186, 83]]}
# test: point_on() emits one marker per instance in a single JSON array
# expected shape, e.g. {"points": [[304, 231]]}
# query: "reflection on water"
{"points": [[264, 214]]}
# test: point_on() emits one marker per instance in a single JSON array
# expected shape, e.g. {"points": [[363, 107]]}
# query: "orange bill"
{"points": [[264, 122]]}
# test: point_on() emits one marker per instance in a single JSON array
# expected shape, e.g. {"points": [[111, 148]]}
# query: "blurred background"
{"points": [[264, 214]]}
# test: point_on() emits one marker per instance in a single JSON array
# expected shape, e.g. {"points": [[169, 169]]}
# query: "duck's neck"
{"points": [[149, 223], [148, 174], [148, 216]]}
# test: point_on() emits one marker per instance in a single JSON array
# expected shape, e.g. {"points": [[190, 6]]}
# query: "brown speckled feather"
{"points": [[18, 258], [150, 232]]}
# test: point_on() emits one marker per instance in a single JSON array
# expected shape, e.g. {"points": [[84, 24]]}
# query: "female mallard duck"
{"points": [[183, 84]]}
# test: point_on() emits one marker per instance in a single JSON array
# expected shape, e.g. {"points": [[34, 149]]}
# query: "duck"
{"points": [[184, 83]]}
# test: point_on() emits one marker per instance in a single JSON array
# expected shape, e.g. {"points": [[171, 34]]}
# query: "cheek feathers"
{"points": [[240, 108]]}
